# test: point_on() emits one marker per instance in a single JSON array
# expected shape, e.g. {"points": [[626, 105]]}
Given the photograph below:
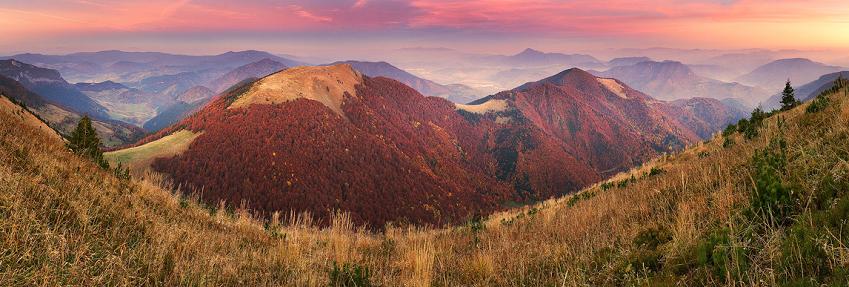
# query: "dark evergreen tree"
{"points": [[84, 141], [788, 97]]}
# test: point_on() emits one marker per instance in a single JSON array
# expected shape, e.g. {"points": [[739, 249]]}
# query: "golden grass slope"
{"points": [[139, 158], [325, 84], [25, 117], [63, 221], [485, 107]]}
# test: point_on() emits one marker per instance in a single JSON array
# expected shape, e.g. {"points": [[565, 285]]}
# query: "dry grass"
{"points": [[139, 158], [325, 84], [65, 222]]}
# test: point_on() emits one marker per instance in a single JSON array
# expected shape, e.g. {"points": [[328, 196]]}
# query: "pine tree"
{"points": [[788, 97], [84, 141]]}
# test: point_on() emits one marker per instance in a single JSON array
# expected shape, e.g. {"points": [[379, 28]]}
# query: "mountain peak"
{"points": [[530, 51], [794, 60], [570, 75], [325, 84]]}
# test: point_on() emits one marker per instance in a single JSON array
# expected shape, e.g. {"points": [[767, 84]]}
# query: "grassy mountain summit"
{"points": [[765, 205]]}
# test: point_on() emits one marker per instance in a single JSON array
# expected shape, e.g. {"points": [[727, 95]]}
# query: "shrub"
{"points": [[818, 104], [586, 195], [646, 256], [728, 143], [656, 171], [729, 130], [749, 127], [350, 275], [717, 253], [802, 255], [651, 238], [121, 172], [624, 183], [771, 198]]}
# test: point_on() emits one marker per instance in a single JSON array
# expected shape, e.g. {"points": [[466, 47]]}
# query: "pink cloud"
{"points": [[687, 20]]}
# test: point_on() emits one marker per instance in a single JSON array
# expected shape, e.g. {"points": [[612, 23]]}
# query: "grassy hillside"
{"points": [[138, 158], [764, 206]]}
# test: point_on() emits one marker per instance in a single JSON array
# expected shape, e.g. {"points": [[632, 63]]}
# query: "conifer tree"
{"points": [[788, 97], [84, 141]]}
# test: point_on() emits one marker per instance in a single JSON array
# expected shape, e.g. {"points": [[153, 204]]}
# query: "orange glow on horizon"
{"points": [[713, 24]]}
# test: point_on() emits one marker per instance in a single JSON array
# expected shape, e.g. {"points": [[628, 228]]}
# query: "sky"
{"points": [[358, 27]]}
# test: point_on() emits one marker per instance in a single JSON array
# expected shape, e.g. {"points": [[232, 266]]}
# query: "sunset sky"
{"points": [[359, 26]]}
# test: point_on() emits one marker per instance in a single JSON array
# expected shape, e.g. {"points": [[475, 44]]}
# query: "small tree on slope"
{"points": [[84, 141], [788, 97]]}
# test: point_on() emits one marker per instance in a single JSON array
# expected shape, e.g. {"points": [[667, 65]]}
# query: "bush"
{"points": [[729, 130], [771, 198], [624, 183], [646, 256], [802, 255], [749, 127], [717, 253], [121, 172], [728, 143], [586, 195], [350, 275], [818, 104], [651, 238], [656, 171]]}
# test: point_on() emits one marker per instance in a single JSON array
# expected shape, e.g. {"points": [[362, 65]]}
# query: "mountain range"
{"points": [[455, 93], [671, 80], [773, 75], [313, 138], [125, 67], [63, 119], [50, 85]]}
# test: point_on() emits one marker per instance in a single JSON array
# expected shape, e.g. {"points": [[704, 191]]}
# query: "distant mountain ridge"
{"points": [[121, 66], [50, 85], [671, 80], [256, 69], [455, 93], [531, 57], [627, 61], [772, 76]]}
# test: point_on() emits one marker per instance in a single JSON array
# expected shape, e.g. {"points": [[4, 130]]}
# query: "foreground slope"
{"points": [[693, 218]]}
